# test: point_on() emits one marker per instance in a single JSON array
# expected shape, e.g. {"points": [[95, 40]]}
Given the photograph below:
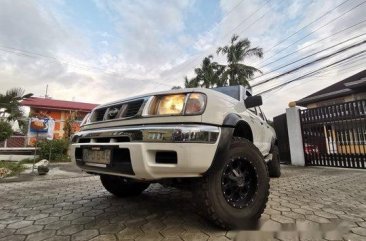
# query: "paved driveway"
{"points": [[316, 201]]}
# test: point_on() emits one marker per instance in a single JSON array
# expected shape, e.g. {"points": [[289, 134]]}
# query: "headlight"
{"points": [[169, 105], [195, 104], [177, 104]]}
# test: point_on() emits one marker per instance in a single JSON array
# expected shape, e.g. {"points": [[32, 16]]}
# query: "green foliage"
{"points": [[10, 103], [15, 167], [5, 130], [57, 148], [212, 74]]}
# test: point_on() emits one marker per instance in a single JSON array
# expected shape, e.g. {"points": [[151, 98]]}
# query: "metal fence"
{"points": [[335, 135], [15, 141]]}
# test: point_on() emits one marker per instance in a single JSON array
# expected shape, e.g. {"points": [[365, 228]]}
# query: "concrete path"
{"points": [[305, 204]]}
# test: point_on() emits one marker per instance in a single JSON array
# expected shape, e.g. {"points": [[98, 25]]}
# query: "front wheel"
{"points": [[123, 187], [235, 191]]}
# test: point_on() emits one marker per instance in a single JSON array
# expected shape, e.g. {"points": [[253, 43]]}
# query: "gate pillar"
{"points": [[295, 136]]}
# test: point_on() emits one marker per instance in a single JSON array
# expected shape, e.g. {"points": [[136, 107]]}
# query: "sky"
{"points": [[102, 50]]}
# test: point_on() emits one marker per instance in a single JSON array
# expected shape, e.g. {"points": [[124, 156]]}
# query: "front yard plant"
{"points": [[5, 130], [54, 150], [10, 168]]}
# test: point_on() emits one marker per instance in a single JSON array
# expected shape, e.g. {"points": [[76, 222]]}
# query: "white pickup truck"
{"points": [[216, 140]]}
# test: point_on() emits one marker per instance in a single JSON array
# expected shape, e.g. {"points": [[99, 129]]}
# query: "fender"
{"points": [[231, 120], [223, 146], [227, 133]]}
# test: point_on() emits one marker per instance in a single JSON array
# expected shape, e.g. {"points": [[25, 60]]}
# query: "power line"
{"points": [[310, 55], [255, 21], [199, 56], [315, 75], [244, 20], [310, 73], [317, 19], [309, 45], [317, 29], [349, 64], [311, 63]]}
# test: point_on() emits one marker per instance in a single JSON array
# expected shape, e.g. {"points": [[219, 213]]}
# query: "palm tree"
{"points": [[208, 75], [10, 103], [190, 83], [237, 72]]}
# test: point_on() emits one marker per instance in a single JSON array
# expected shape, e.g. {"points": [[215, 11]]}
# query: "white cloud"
{"points": [[151, 47]]}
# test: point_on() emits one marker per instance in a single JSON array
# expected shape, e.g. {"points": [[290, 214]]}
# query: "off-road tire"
{"points": [[209, 191], [274, 167], [123, 187]]}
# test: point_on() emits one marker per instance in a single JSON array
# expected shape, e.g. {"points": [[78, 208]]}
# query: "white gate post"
{"points": [[295, 136]]}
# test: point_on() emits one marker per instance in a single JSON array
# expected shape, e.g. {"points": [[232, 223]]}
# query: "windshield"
{"points": [[233, 91]]}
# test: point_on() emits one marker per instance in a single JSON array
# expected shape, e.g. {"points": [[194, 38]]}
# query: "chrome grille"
{"points": [[123, 110], [133, 108], [98, 115]]}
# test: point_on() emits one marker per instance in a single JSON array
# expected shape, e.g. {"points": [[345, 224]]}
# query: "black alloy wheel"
{"points": [[239, 182]]}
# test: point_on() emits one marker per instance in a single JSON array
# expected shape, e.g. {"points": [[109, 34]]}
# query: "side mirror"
{"points": [[253, 101]]}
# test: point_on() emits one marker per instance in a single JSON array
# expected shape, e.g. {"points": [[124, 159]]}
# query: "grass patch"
{"points": [[15, 167]]}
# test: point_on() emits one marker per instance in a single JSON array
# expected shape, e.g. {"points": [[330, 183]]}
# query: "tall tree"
{"points": [[10, 103], [237, 72], [208, 75], [190, 83]]}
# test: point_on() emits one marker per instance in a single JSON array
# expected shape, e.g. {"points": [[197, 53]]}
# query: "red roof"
{"points": [[47, 103]]}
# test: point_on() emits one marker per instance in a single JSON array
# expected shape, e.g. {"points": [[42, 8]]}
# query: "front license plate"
{"points": [[97, 156]]}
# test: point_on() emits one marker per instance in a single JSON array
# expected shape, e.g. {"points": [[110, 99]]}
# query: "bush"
{"points": [[58, 150], [5, 130], [14, 167]]}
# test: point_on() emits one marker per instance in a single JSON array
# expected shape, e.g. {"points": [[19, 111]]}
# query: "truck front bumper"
{"points": [[148, 152]]}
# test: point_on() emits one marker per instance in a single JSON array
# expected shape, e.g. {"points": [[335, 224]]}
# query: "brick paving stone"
{"points": [[172, 239], [37, 216], [74, 208], [353, 237], [85, 235], [361, 224], [47, 220], [219, 238], [58, 238], [57, 225], [60, 213], [172, 231], [83, 220], [71, 229], [105, 237], [317, 219], [20, 224], [41, 235], [151, 236], [11, 220], [71, 216], [196, 236], [13, 238], [282, 219], [111, 228], [96, 224], [6, 232], [129, 233], [30, 229], [360, 231]]}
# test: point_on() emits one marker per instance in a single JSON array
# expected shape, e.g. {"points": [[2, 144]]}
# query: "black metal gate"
{"points": [[335, 135], [280, 126]]}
